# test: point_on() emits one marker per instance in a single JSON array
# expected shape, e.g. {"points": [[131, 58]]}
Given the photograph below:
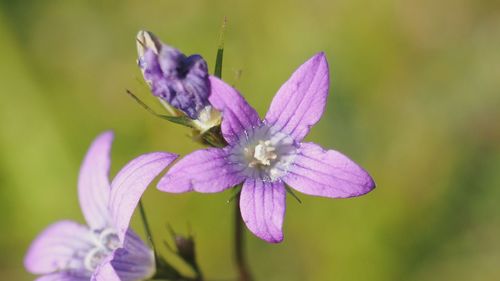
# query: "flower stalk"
{"points": [[147, 229], [239, 227], [239, 244]]}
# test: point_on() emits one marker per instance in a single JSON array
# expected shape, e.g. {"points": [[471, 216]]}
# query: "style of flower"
{"points": [[178, 80], [266, 154], [106, 249]]}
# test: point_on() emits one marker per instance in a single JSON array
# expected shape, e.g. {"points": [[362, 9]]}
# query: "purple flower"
{"points": [[266, 155], [106, 249], [179, 80]]}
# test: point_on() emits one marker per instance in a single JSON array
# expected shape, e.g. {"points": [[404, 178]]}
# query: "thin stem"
{"points": [[175, 118], [239, 245], [147, 229], [145, 106], [197, 271]]}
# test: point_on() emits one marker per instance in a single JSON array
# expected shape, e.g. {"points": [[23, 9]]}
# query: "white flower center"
{"points": [[263, 153]]}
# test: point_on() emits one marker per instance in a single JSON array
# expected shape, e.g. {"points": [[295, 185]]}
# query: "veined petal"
{"points": [[93, 182], [135, 261], [327, 173], [205, 170], [262, 207], [61, 246], [140, 252], [129, 185], [237, 114], [301, 100]]}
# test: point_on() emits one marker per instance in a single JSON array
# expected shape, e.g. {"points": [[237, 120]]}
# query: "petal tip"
{"points": [[109, 134], [368, 186], [275, 240], [272, 238], [319, 56], [371, 184]]}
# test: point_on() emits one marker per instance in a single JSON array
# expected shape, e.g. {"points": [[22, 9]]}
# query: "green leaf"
{"points": [[220, 50], [290, 191], [235, 192], [181, 120]]}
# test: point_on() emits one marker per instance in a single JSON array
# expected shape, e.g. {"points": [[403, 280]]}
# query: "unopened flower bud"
{"points": [[179, 81]]}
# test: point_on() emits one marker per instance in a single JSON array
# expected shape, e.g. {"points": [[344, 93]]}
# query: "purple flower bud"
{"points": [[180, 80]]}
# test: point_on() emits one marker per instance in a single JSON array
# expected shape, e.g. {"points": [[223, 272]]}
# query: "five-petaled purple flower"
{"points": [[179, 80], [265, 155], [106, 249]]}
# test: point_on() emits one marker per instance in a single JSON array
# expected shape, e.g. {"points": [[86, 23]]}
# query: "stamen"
{"points": [[94, 258], [109, 239], [264, 153]]}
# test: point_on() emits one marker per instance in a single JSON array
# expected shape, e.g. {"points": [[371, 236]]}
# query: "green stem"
{"points": [[147, 229], [239, 245], [197, 271]]}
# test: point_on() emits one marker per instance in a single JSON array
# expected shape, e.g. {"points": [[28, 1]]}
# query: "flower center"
{"points": [[109, 239], [94, 258], [106, 241], [263, 153]]}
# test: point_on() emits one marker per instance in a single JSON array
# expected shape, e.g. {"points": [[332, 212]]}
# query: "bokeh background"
{"points": [[415, 99]]}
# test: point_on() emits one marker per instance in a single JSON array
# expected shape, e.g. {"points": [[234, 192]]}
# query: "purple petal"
{"points": [[262, 207], [57, 248], [105, 272], [237, 114], [205, 170], [140, 252], [93, 182], [135, 261], [130, 183], [64, 276], [327, 173], [300, 102]]}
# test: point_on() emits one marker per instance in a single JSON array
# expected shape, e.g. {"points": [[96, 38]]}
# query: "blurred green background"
{"points": [[415, 99]]}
